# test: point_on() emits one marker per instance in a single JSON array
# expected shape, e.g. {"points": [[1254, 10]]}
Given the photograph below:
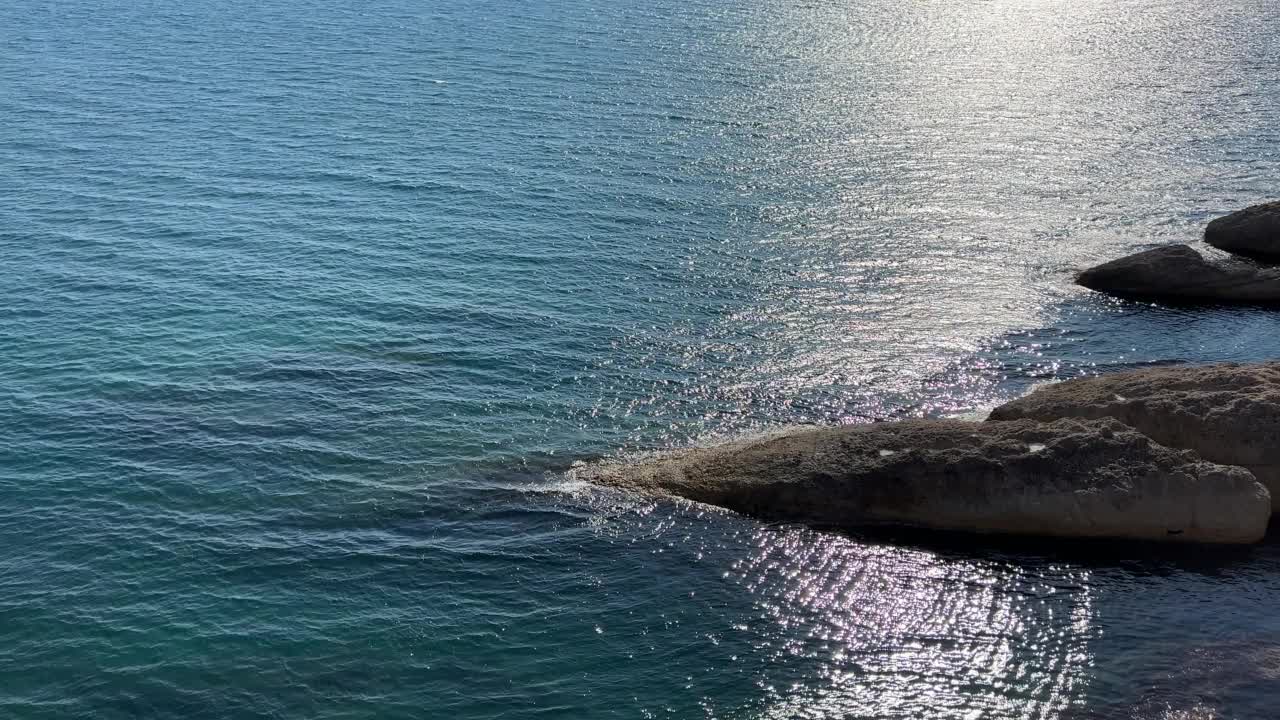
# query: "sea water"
{"points": [[307, 305]]}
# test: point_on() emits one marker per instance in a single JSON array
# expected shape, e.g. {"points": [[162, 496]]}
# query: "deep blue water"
{"points": [[307, 306]]}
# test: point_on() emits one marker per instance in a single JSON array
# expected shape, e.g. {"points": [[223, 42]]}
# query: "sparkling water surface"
{"points": [[307, 306]]}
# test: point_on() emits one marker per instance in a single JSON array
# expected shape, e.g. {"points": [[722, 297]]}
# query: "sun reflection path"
{"points": [[904, 632]]}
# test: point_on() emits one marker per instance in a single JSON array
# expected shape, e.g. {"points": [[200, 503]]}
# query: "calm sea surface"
{"points": [[307, 305]]}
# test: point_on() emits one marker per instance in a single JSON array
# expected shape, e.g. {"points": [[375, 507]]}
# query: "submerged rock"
{"points": [[1228, 413], [1178, 272], [1069, 478], [1252, 232]]}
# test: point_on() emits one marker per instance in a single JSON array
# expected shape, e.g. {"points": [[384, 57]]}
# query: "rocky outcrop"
{"points": [[1252, 232], [1069, 478], [1228, 413], [1180, 273]]}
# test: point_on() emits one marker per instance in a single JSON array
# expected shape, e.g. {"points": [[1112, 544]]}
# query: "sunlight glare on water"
{"points": [[900, 632], [307, 305]]}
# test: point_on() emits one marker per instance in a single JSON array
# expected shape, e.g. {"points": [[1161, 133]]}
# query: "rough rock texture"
{"points": [[1253, 232], [1068, 478], [1179, 273], [1228, 413]]}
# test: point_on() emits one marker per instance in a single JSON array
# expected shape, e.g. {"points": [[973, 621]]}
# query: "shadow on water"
{"points": [[1096, 333], [1201, 684], [1139, 557]]}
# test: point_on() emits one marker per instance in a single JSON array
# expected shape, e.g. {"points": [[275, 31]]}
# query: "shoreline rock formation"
{"points": [[1180, 273], [1181, 454], [1228, 413], [1068, 478], [1252, 232]]}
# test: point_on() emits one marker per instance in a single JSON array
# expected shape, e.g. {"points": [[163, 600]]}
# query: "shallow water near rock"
{"points": [[307, 306]]}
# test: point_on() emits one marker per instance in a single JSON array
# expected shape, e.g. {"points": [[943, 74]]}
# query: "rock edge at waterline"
{"points": [[1251, 232], [1229, 413], [1069, 478], [1180, 273]]}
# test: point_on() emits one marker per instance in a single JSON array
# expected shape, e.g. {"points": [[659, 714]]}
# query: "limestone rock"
{"points": [[1069, 478], [1252, 232], [1180, 273], [1228, 413]]}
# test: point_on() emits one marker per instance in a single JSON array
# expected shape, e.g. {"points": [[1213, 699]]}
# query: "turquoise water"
{"points": [[308, 305]]}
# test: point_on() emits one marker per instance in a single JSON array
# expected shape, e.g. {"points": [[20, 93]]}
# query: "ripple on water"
{"points": [[304, 303]]}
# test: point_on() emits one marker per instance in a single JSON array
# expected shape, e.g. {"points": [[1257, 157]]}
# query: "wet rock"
{"points": [[1252, 232], [1228, 413], [1180, 273], [1069, 478]]}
